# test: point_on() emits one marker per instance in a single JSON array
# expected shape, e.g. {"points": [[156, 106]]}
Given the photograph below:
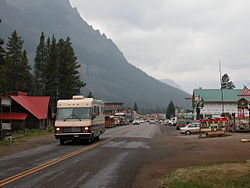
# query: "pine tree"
{"points": [[69, 76], [40, 66], [25, 75], [51, 71], [135, 107], [226, 83], [90, 95], [170, 112], [18, 75], [3, 68], [61, 70]]}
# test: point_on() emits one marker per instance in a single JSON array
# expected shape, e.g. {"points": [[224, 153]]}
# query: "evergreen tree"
{"points": [[135, 107], [3, 68], [51, 71], [226, 83], [40, 66], [69, 76], [61, 74], [170, 112], [18, 74], [90, 95], [25, 75]]}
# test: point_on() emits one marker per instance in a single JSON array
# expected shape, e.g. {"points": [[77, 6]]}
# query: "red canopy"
{"points": [[13, 116], [38, 106]]}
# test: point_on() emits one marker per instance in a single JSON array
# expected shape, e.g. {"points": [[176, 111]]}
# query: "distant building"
{"points": [[23, 111], [110, 108], [217, 101]]}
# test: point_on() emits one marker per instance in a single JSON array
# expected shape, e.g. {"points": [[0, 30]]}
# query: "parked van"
{"points": [[79, 118]]}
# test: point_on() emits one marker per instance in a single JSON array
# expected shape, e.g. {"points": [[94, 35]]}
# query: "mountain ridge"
{"points": [[106, 71]]}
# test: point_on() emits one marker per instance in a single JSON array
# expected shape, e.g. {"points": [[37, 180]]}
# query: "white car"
{"points": [[142, 120], [190, 128], [152, 121], [167, 122], [136, 122]]}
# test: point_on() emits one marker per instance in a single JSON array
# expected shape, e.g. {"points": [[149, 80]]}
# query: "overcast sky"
{"points": [[181, 40]]}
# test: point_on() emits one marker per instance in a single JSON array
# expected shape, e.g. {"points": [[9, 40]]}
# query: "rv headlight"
{"points": [[86, 128], [58, 129]]}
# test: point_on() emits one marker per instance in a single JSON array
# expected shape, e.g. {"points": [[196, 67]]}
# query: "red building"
{"points": [[112, 108], [23, 111]]}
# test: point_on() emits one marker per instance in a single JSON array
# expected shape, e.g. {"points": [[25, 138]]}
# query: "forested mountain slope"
{"points": [[104, 68]]}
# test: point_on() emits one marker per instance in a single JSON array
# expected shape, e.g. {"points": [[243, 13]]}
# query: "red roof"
{"points": [[13, 116], [38, 106], [245, 92]]}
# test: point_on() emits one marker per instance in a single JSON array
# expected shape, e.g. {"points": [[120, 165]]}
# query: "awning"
{"points": [[13, 116]]}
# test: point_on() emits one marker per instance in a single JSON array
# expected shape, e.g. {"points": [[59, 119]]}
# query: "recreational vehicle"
{"points": [[79, 118]]}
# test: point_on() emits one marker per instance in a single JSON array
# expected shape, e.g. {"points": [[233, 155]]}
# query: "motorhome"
{"points": [[79, 118]]}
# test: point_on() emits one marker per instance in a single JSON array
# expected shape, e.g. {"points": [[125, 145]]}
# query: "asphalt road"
{"points": [[113, 161]]}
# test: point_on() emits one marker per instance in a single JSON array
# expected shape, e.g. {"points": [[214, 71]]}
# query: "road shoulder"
{"points": [[27, 145]]}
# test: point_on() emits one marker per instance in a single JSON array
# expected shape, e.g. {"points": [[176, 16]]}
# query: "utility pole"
{"points": [[221, 90]]}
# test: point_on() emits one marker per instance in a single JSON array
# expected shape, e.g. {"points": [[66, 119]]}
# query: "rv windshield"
{"points": [[73, 113]]}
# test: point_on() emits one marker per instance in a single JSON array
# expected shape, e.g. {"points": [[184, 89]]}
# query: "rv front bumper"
{"points": [[71, 136]]}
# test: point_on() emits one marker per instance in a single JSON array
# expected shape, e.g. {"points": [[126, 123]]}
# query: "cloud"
{"points": [[177, 39]]}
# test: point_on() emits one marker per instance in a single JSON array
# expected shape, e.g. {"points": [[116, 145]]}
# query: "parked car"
{"points": [[167, 122], [152, 121], [182, 123], [190, 128], [161, 121], [136, 122], [142, 120]]}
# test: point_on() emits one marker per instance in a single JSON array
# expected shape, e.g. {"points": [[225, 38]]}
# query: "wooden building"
{"points": [[24, 111]]}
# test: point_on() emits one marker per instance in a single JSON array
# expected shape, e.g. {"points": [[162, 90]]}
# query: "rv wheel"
{"points": [[88, 141], [62, 141]]}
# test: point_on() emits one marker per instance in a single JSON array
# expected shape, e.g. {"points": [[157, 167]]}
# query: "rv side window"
{"points": [[96, 110]]}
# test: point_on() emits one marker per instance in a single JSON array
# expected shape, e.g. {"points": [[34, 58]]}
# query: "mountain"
{"points": [[171, 83], [104, 68]]}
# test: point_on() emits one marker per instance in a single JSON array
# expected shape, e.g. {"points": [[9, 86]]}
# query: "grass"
{"points": [[234, 174], [22, 136]]}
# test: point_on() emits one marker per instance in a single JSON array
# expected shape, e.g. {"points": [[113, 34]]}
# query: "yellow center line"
{"points": [[57, 160]]}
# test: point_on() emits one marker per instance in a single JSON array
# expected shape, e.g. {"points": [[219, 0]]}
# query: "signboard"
{"points": [[198, 102], [243, 103], [5, 102], [217, 124], [6, 126]]}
